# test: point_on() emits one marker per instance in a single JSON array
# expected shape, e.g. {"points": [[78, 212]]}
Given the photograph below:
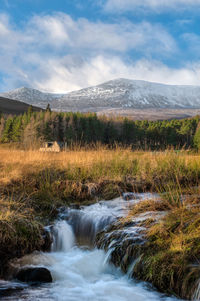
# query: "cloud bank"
{"points": [[57, 53]]}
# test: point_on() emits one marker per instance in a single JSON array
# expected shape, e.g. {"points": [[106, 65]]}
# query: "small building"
{"points": [[53, 146]]}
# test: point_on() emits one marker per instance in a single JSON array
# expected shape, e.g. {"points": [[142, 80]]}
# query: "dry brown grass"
{"points": [[99, 164], [149, 205], [53, 179], [20, 232], [16, 163]]}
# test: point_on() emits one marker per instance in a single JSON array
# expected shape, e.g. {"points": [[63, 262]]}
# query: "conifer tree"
{"points": [[7, 133], [196, 140], [48, 108], [17, 129]]}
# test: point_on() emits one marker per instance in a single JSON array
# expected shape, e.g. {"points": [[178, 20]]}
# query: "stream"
{"points": [[79, 270]]}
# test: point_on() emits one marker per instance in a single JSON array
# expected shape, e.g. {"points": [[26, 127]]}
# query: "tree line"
{"points": [[33, 128]]}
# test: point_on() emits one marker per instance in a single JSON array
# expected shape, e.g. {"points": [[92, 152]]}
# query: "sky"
{"points": [[63, 45]]}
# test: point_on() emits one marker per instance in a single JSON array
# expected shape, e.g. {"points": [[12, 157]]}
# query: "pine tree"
{"points": [[48, 108], [196, 140], [7, 133], [2, 126], [17, 129]]}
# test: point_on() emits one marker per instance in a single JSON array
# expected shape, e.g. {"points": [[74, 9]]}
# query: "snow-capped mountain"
{"points": [[119, 93], [31, 96], [123, 93]]}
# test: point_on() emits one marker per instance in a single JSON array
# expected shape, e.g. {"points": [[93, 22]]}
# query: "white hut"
{"points": [[54, 146]]}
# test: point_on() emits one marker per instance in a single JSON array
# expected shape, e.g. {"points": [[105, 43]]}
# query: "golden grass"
{"points": [[20, 232], [15, 163], [55, 179], [98, 164]]}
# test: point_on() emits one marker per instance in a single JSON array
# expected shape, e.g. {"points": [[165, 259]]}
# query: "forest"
{"points": [[33, 128]]}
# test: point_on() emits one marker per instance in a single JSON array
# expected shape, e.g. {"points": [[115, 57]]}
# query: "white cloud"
{"points": [[157, 5], [68, 73], [61, 31], [57, 53]]}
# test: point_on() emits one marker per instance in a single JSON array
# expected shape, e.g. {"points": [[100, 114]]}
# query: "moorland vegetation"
{"points": [[105, 158]]}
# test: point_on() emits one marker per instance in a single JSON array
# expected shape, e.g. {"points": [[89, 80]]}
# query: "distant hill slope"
{"points": [[10, 106], [31, 96], [122, 94], [130, 94]]}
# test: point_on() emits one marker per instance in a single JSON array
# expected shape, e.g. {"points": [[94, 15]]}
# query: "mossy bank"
{"points": [[165, 248]]}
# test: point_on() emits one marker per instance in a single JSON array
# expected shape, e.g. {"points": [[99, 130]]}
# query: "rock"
{"points": [[5, 292], [10, 288], [34, 275], [75, 206], [47, 238], [127, 196]]}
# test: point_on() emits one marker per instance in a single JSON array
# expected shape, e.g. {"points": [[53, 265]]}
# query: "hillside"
{"points": [[31, 96], [130, 94], [10, 106], [121, 94]]}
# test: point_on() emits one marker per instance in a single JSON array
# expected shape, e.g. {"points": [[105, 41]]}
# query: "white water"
{"points": [[63, 237], [87, 221], [80, 273]]}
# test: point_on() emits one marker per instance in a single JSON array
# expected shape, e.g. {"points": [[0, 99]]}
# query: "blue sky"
{"points": [[65, 45]]}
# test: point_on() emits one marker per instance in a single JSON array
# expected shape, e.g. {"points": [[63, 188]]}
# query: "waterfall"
{"points": [[81, 225], [63, 237], [86, 226], [88, 221], [81, 273]]}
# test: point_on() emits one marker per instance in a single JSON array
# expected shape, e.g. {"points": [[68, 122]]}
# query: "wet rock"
{"points": [[4, 292], [129, 196], [123, 240], [34, 275], [75, 206], [8, 288], [47, 239]]}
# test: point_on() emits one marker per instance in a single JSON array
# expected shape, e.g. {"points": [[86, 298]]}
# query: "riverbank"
{"points": [[159, 242], [78, 269], [34, 185]]}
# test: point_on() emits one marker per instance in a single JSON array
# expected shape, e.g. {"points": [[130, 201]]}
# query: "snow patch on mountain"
{"points": [[135, 94], [31, 96], [119, 93]]}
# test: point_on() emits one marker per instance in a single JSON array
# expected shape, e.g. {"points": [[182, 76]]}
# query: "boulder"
{"points": [[128, 196], [34, 275]]}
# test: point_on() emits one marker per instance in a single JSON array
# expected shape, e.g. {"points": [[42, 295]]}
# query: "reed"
{"points": [[102, 164]]}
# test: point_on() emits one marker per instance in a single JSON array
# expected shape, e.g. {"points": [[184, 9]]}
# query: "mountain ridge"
{"points": [[114, 94]]}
